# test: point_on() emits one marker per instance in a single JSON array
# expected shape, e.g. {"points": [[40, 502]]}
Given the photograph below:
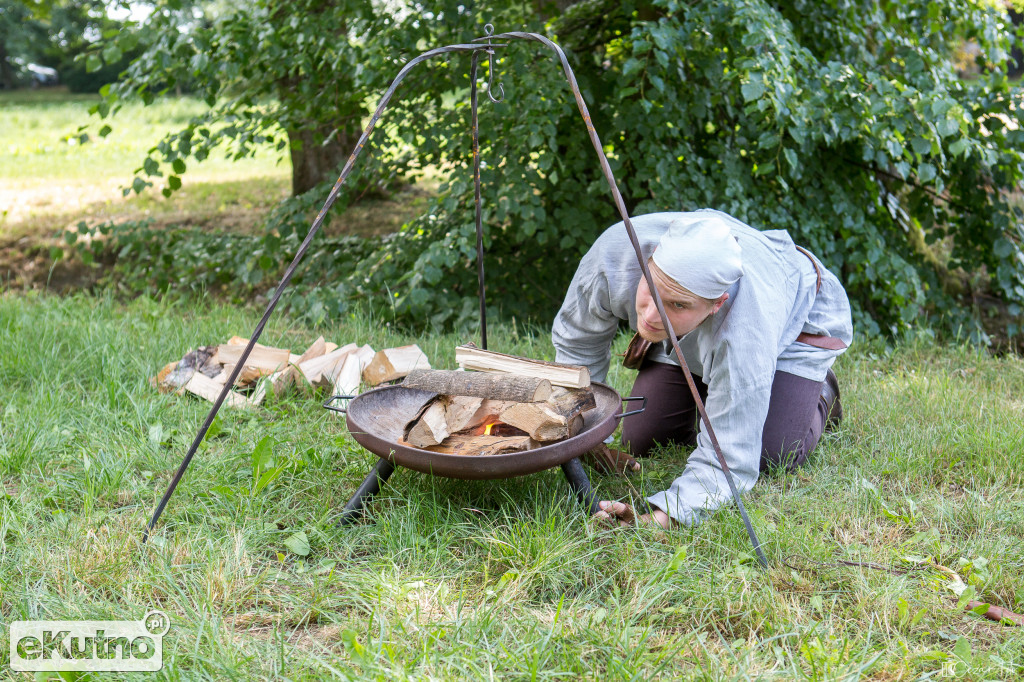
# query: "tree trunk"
{"points": [[313, 161], [6, 74]]}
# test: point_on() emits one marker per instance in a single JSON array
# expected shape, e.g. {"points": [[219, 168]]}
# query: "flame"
{"points": [[487, 429]]}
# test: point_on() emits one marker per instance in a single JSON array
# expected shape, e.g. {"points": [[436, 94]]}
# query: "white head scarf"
{"points": [[701, 256]]}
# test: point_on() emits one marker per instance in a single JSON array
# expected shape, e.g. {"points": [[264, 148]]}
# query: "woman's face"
{"points": [[685, 310]]}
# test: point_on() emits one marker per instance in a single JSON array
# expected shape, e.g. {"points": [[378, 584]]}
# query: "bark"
{"points": [[6, 74], [491, 385], [313, 161]]}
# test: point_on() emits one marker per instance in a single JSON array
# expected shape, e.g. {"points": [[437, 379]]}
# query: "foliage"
{"points": [[844, 123], [59, 33], [286, 74], [155, 260]]}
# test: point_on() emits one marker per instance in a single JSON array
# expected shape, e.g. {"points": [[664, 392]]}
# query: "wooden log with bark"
{"points": [[496, 386], [570, 376]]}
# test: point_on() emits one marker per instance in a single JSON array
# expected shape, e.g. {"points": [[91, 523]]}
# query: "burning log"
{"points": [[554, 419], [510, 387], [430, 426], [457, 424], [475, 446], [444, 415]]}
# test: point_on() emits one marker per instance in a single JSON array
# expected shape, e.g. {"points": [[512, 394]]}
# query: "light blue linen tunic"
{"points": [[736, 351]]}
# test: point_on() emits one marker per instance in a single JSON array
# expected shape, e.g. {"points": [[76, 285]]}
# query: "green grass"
{"points": [[493, 579], [40, 138], [53, 174]]}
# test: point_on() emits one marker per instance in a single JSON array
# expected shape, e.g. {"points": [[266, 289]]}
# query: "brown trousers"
{"points": [[795, 421]]}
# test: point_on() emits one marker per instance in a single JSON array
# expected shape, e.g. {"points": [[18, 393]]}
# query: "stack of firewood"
{"points": [[509, 404], [204, 371]]}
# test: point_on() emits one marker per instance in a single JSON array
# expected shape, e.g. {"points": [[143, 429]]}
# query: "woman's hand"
{"points": [[626, 516]]}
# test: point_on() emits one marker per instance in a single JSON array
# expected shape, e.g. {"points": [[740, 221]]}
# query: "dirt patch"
{"points": [[28, 264], [34, 219]]}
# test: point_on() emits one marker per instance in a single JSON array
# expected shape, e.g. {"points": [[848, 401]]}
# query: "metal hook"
{"points": [[488, 30]]}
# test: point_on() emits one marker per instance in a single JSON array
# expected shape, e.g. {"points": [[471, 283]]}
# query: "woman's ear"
{"points": [[721, 300]]}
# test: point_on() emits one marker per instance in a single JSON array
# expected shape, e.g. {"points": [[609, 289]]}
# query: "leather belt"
{"points": [[821, 341], [818, 340]]}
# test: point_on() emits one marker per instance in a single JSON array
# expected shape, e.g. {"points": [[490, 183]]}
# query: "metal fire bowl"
{"points": [[377, 420]]}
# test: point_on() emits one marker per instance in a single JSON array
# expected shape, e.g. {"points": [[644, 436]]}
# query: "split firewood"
{"points": [[206, 388], [553, 419], [175, 375], [537, 419], [571, 376], [246, 378], [365, 355], [497, 386], [160, 383], [482, 445], [460, 411], [488, 413], [430, 426], [281, 381], [346, 380], [394, 363], [261, 357], [320, 371], [256, 397]]}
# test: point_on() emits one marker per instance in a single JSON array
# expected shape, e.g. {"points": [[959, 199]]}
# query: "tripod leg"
{"points": [[580, 484], [380, 473]]}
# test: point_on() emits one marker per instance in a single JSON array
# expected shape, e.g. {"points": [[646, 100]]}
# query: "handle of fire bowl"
{"points": [[343, 410], [643, 406]]}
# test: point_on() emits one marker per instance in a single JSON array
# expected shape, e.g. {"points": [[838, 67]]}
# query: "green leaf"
{"points": [[962, 649], [93, 63], [262, 455], [105, 130], [112, 53], [174, 181], [752, 90], [298, 544], [178, 165], [920, 145]]}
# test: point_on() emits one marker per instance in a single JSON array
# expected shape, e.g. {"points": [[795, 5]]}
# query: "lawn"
{"points": [[56, 168], [503, 579], [451, 579]]}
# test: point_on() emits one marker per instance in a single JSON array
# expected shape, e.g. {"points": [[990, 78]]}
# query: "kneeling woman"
{"points": [[760, 322]]}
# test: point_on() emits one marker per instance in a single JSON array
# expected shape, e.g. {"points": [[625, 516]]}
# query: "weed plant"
{"points": [[453, 579]]}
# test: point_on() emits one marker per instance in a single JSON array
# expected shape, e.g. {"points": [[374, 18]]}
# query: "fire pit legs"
{"points": [[580, 484], [370, 487]]}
